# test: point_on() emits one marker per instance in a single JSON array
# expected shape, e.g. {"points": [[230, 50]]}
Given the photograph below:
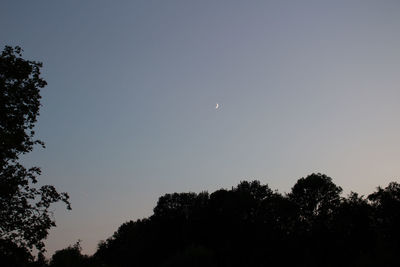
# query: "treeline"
{"points": [[252, 225]]}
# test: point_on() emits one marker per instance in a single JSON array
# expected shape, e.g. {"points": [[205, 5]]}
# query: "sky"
{"points": [[129, 111]]}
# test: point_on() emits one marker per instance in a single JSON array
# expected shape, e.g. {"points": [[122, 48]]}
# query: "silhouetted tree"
{"points": [[25, 217], [70, 256], [316, 196], [352, 236], [386, 203], [251, 225], [13, 255], [386, 213]]}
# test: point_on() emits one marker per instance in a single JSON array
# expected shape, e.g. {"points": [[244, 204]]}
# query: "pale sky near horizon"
{"points": [[129, 112]]}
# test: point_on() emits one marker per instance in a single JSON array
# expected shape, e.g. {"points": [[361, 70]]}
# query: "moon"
{"points": [[217, 106]]}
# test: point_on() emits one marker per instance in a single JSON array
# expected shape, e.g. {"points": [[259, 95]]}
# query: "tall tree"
{"points": [[316, 195], [25, 218], [70, 256]]}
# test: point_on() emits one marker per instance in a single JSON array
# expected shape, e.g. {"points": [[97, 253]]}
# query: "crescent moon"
{"points": [[217, 106]]}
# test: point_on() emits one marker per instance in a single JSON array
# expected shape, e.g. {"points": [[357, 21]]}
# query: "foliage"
{"points": [[251, 225], [315, 195], [25, 217], [13, 255], [70, 256]]}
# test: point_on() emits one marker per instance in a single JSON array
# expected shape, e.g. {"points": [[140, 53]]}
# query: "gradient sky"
{"points": [[129, 111]]}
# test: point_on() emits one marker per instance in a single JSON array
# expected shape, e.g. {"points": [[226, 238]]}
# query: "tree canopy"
{"points": [[252, 225], [25, 218]]}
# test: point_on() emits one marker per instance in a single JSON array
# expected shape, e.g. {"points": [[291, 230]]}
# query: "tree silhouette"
{"points": [[316, 195], [70, 256], [386, 214], [352, 231], [25, 217], [251, 225]]}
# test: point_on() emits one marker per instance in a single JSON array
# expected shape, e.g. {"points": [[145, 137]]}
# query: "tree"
{"points": [[352, 233], [251, 225], [316, 195], [25, 218], [386, 213], [70, 256], [317, 199]]}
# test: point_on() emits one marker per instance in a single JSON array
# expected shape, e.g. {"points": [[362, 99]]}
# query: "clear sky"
{"points": [[129, 110]]}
